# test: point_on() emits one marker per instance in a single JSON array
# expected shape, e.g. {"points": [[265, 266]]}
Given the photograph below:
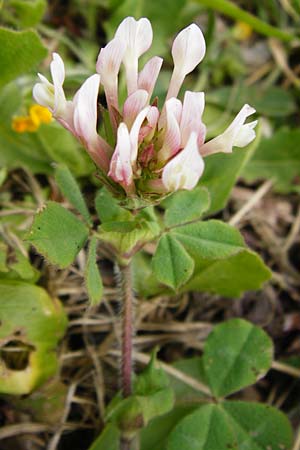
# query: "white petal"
{"points": [[120, 167], [110, 59], [44, 80], [133, 106], [191, 118], [172, 138], [185, 169], [137, 37], [85, 112], [246, 134], [188, 48], [237, 134], [43, 94], [134, 133], [148, 75], [57, 69]]}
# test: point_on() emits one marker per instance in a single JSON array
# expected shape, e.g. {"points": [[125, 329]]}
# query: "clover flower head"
{"points": [[149, 153]]}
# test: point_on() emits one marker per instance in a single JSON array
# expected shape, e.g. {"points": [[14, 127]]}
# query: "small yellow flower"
{"points": [[21, 124], [40, 114], [242, 31], [37, 115]]}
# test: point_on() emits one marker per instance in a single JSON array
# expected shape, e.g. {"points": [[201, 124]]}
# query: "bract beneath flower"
{"points": [[144, 153]]}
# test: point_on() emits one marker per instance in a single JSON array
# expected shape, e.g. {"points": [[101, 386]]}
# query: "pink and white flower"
{"points": [[155, 152]]}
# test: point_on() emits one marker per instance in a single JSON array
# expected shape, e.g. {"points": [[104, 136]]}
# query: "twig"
{"points": [[23, 428], [190, 381], [290, 370], [259, 194]]}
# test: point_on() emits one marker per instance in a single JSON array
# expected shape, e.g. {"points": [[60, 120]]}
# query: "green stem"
{"points": [[235, 12]]}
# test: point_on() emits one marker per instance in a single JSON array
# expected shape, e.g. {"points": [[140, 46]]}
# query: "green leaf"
{"points": [[31, 323], [109, 439], [127, 237], [232, 425], [212, 239], [230, 277], [69, 187], [3, 257], [186, 206], [277, 158], [172, 265], [155, 435], [258, 426], [59, 145], [29, 12], [236, 354], [92, 276], [3, 175], [204, 429], [192, 367], [272, 101], [151, 397], [144, 281], [108, 209], [37, 150], [20, 52], [21, 268], [58, 234]]}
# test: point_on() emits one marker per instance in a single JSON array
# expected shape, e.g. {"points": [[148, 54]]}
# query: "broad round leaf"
{"points": [[205, 429], [231, 276], [212, 239], [236, 354], [58, 234], [172, 265], [232, 425], [109, 439], [20, 51], [186, 206], [31, 323]]}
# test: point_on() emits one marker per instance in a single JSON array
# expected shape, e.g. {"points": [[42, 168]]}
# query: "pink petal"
{"points": [[191, 118], [148, 130], [133, 105], [185, 169], [148, 75]]}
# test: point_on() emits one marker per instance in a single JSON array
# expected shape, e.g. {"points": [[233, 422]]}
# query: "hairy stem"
{"points": [[127, 329]]}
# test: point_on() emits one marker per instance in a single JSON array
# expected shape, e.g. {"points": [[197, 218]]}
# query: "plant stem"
{"points": [[127, 329], [230, 9]]}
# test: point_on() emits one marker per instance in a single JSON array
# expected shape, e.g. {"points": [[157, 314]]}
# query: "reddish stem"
{"points": [[127, 329]]}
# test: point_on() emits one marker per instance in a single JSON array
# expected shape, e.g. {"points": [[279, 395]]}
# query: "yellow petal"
{"points": [[21, 124], [39, 114], [242, 31]]}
